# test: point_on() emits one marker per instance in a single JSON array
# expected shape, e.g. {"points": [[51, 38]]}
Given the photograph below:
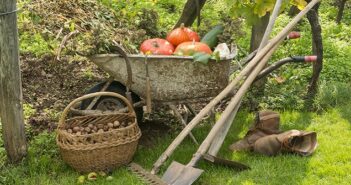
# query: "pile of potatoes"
{"points": [[98, 128]]}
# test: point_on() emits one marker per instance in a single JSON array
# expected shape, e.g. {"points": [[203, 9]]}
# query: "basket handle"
{"points": [[67, 109]]}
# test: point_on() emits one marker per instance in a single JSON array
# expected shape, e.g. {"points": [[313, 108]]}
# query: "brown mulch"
{"points": [[49, 85]]}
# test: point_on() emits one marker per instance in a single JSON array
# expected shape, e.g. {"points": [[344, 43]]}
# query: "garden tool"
{"points": [[295, 141], [232, 86], [145, 175], [266, 123], [219, 139], [179, 174]]}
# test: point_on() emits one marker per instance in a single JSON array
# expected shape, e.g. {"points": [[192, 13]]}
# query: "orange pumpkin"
{"points": [[182, 34], [193, 36], [157, 46], [190, 48]]}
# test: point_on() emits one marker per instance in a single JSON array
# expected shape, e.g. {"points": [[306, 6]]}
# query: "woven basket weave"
{"points": [[98, 151]]}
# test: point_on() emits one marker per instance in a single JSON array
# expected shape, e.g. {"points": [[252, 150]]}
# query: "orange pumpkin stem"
{"points": [[182, 25]]}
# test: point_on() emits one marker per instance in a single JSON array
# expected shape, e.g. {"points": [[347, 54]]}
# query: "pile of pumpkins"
{"points": [[182, 41]]}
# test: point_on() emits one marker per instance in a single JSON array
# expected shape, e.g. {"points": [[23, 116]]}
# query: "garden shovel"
{"points": [[179, 174]]}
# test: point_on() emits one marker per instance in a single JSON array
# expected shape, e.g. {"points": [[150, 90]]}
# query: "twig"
{"points": [[58, 34], [63, 43]]}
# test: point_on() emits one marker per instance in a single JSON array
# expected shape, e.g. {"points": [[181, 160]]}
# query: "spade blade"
{"points": [[179, 174]]}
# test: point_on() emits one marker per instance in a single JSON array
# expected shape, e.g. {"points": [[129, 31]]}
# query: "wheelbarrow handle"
{"points": [[121, 51], [281, 62]]}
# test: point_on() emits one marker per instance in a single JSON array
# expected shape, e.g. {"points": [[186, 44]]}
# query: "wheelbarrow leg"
{"points": [[190, 108], [184, 123]]}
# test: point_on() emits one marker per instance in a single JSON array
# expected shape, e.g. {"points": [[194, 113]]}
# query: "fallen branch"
{"points": [[63, 43]]}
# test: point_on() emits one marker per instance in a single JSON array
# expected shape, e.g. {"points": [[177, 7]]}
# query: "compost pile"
{"points": [[96, 26]]}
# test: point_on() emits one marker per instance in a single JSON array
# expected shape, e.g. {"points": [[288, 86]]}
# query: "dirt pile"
{"points": [[95, 25]]}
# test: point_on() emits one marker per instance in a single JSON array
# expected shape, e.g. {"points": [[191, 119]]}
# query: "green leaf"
{"points": [[299, 3], [263, 6], [201, 57], [216, 56]]}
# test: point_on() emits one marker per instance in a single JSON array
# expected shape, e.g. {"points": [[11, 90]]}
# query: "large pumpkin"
{"points": [[182, 34], [157, 47], [190, 48]]}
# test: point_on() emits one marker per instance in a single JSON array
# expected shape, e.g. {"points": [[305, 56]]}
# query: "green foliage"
{"points": [[290, 93], [36, 44], [253, 10], [28, 110], [332, 94]]}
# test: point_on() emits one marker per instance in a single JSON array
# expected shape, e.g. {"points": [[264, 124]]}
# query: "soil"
{"points": [[50, 85]]}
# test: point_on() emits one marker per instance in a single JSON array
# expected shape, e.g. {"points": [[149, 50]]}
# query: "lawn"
{"points": [[329, 164]]}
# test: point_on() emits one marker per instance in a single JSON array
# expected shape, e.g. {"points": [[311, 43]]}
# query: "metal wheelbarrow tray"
{"points": [[173, 78]]}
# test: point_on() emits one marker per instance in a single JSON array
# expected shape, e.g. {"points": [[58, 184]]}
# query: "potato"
{"points": [[76, 129], [110, 125], [70, 131], [91, 126], [100, 126], [105, 128], [116, 124], [87, 129]]}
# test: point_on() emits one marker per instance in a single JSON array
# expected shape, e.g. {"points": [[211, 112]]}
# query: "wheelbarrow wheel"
{"points": [[111, 103]]}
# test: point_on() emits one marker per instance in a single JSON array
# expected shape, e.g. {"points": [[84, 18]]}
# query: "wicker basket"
{"points": [[98, 151]]}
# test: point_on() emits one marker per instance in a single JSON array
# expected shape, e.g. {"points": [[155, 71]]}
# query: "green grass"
{"points": [[328, 165]]}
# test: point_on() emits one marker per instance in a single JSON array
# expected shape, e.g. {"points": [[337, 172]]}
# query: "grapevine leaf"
{"points": [[300, 4], [263, 6]]}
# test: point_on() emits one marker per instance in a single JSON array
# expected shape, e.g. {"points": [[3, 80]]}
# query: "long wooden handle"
{"points": [[229, 109], [219, 139], [282, 34]]}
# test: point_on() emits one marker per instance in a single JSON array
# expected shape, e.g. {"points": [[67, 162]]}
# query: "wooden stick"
{"points": [[164, 156], [219, 139], [229, 110], [63, 43], [270, 25], [183, 122], [11, 96]]}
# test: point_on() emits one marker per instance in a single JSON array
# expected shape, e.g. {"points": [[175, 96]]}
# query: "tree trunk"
{"points": [[11, 110], [341, 5], [190, 12], [317, 45], [257, 32], [293, 11]]}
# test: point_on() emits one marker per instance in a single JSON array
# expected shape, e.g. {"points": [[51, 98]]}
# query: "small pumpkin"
{"points": [[157, 46], [190, 48], [193, 36], [182, 34]]}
